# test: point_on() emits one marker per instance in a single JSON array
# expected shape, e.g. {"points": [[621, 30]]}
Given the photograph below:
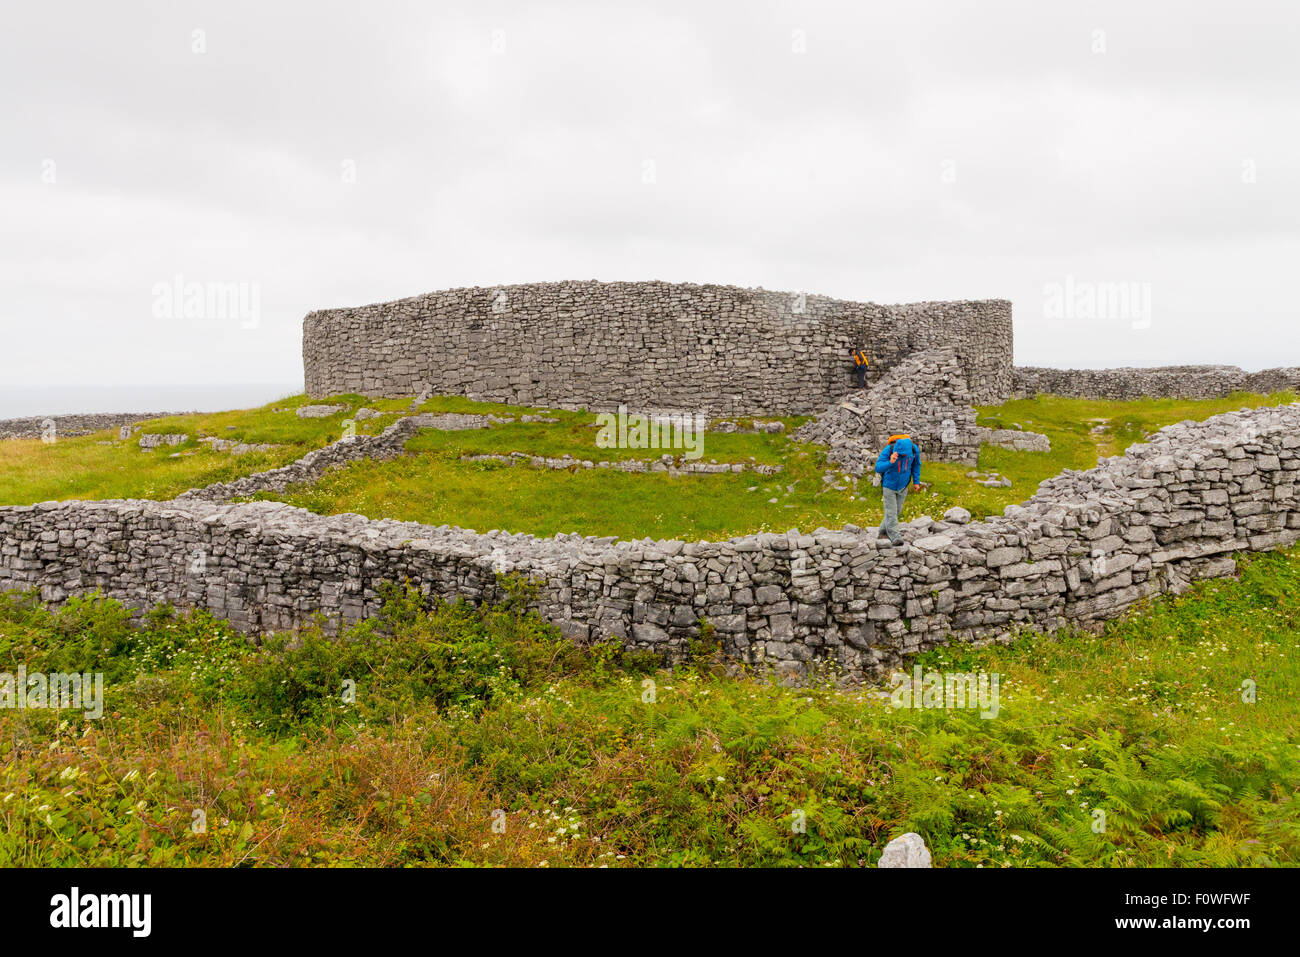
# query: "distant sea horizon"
{"points": [[19, 402]]}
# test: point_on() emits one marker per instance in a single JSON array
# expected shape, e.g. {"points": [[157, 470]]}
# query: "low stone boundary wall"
{"points": [[670, 464], [388, 444], [1162, 382], [724, 426], [1085, 547], [36, 426], [156, 440], [1013, 439]]}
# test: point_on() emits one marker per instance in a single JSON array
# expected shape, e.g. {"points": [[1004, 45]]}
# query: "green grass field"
{"points": [[432, 484], [213, 752], [102, 466]]}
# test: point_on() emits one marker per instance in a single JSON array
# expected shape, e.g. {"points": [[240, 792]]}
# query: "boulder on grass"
{"points": [[906, 851]]}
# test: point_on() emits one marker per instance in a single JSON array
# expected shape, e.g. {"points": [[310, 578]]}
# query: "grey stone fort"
{"points": [[596, 345]]}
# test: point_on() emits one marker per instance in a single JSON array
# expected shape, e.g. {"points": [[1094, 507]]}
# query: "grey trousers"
{"points": [[893, 509]]}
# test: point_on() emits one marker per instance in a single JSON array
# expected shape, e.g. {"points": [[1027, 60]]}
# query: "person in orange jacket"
{"points": [[859, 366]]}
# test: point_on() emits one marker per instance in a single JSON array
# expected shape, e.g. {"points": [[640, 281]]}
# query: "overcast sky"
{"points": [[327, 154]]}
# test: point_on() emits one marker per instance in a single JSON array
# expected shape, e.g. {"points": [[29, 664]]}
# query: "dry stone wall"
{"points": [[668, 464], [1085, 547], [37, 426], [1162, 382], [712, 349], [1014, 439], [388, 444]]}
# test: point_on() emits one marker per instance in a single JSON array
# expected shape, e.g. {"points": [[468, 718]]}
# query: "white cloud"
{"points": [[940, 150]]}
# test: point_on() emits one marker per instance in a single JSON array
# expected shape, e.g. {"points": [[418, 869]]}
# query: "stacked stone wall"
{"points": [[1162, 382], [1084, 548], [47, 426], [718, 350]]}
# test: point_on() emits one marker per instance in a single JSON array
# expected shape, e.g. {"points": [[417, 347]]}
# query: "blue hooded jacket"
{"points": [[906, 471]]}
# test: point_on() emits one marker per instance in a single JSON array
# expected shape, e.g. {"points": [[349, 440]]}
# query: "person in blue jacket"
{"points": [[899, 468]]}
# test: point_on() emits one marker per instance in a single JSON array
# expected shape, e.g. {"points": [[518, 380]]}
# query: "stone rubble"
{"points": [[724, 427], [924, 395], [1014, 439], [425, 394], [237, 448], [155, 440], [319, 411], [667, 463]]}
